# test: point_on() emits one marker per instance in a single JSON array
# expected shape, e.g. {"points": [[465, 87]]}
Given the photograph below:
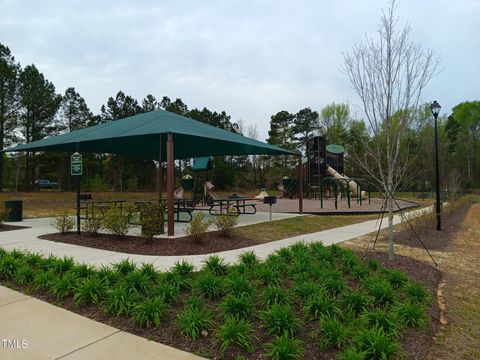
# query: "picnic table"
{"points": [[102, 205], [179, 206], [239, 204]]}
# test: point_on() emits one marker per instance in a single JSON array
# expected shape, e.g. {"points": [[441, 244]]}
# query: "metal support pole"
{"points": [[335, 192], [77, 185], [170, 185], [321, 195], [437, 178], [159, 171], [300, 185]]}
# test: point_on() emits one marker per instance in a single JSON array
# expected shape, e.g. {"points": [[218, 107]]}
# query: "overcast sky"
{"points": [[249, 58]]}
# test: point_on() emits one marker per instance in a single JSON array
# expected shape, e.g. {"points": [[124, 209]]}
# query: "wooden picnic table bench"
{"points": [[423, 196], [218, 206]]}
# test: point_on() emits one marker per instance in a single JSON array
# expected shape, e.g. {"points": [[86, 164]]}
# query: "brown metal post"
{"points": [[170, 175], [159, 170], [300, 185]]}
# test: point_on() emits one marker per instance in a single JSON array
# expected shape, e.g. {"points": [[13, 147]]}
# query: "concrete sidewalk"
{"points": [[26, 239], [33, 329]]}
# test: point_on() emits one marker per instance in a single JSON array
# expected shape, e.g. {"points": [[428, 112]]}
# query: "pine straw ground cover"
{"points": [[304, 301]]}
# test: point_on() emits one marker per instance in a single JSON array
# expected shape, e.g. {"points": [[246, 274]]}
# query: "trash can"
{"points": [[13, 210]]}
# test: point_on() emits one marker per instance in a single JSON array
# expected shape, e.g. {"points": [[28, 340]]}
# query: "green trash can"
{"points": [[13, 210]]}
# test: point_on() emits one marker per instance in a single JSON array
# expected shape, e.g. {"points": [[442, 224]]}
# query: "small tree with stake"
{"points": [[389, 74]]}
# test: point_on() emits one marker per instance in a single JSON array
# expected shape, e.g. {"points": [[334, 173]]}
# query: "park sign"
{"points": [[76, 166]]}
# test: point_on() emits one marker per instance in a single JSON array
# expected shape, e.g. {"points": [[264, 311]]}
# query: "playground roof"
{"points": [[139, 136], [201, 163]]}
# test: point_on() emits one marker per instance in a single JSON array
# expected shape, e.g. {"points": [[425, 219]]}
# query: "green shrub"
{"points": [[136, 280], [63, 223], [108, 276], [210, 285], [176, 279], [183, 268], [235, 331], [192, 320], [285, 254], [357, 301], [266, 275], [360, 272], [334, 286], [240, 307], [417, 293], [352, 354], [8, 266], [82, 271], [33, 259], [377, 344], [238, 284], [333, 333], [381, 318], [411, 315], [150, 312], [89, 291], [64, 286], [61, 266], [169, 292], [148, 270], [115, 221], [319, 305], [151, 219], [274, 295], [373, 264], [285, 348], [395, 277], [197, 227], [304, 289], [225, 224], [93, 223], [216, 265], [24, 275], [125, 267], [249, 258], [44, 280], [382, 291], [279, 319]]}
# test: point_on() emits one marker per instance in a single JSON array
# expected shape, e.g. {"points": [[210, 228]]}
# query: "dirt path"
{"points": [[457, 251]]}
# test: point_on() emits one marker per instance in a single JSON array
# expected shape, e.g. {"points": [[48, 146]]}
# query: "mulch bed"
{"points": [[214, 242], [5, 227]]}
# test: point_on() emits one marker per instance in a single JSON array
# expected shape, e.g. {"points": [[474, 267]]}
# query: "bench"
{"points": [[423, 196], [244, 207]]}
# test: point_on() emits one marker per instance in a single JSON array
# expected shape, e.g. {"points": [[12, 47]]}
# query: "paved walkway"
{"points": [[26, 239], [33, 329]]}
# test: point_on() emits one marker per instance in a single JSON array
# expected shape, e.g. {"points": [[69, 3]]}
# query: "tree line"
{"points": [[31, 109]]}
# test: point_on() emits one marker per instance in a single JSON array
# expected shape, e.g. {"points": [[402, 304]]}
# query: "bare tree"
{"points": [[389, 74]]}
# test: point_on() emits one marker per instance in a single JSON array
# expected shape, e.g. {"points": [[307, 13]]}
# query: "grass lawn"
{"points": [[305, 301]]}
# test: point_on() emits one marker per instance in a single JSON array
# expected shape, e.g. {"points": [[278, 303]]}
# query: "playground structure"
{"points": [[323, 166]]}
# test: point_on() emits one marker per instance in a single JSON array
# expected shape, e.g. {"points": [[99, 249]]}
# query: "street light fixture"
{"points": [[435, 107]]}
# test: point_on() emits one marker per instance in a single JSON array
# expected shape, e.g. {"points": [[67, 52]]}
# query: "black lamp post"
{"points": [[435, 107]]}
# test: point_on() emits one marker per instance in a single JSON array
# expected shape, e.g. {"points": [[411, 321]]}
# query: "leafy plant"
{"points": [[395, 277], [305, 289], [125, 267], [274, 295], [150, 312], [148, 270], [235, 331], [192, 320], [93, 223], [266, 275], [216, 265], [249, 258], [333, 333], [352, 354], [411, 314], [381, 318], [285, 348], [376, 343], [61, 266], [120, 301], [209, 285], [168, 291], [63, 223], [83, 270], [44, 280], [357, 301], [279, 319], [238, 284], [115, 221], [183, 268], [8, 266], [373, 264], [137, 281], [382, 291], [334, 286], [64, 286], [89, 291], [417, 293], [319, 305], [240, 307], [24, 275], [197, 227], [225, 224], [151, 219]]}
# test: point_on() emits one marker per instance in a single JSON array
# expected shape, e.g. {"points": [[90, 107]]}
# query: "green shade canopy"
{"points": [[202, 164], [335, 149], [139, 136]]}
